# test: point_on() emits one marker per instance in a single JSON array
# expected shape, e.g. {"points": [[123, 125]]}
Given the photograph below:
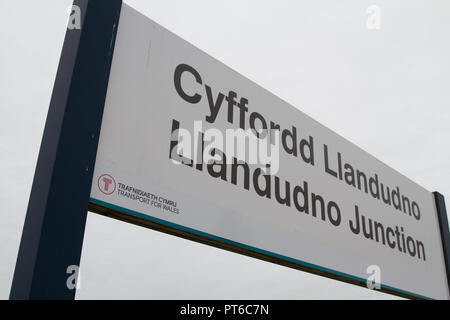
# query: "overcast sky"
{"points": [[385, 90]]}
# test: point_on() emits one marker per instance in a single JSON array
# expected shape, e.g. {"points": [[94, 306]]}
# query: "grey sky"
{"points": [[385, 90]]}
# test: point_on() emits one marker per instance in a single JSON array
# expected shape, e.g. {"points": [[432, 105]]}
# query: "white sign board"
{"points": [[326, 205]]}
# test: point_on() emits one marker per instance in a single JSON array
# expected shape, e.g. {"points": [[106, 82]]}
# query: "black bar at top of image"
{"points": [[55, 221], [445, 235]]}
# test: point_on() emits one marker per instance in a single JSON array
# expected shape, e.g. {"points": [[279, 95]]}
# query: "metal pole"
{"points": [[445, 235], [53, 231]]}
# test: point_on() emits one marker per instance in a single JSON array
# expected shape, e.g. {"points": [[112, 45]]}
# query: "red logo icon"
{"points": [[106, 184]]}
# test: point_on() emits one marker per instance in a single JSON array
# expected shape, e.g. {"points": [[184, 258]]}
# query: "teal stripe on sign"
{"points": [[241, 245]]}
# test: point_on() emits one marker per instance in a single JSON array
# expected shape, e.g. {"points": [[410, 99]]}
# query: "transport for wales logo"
{"points": [[106, 184]]}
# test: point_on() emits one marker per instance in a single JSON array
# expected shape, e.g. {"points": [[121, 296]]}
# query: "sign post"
{"points": [[55, 221], [146, 128], [192, 148]]}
